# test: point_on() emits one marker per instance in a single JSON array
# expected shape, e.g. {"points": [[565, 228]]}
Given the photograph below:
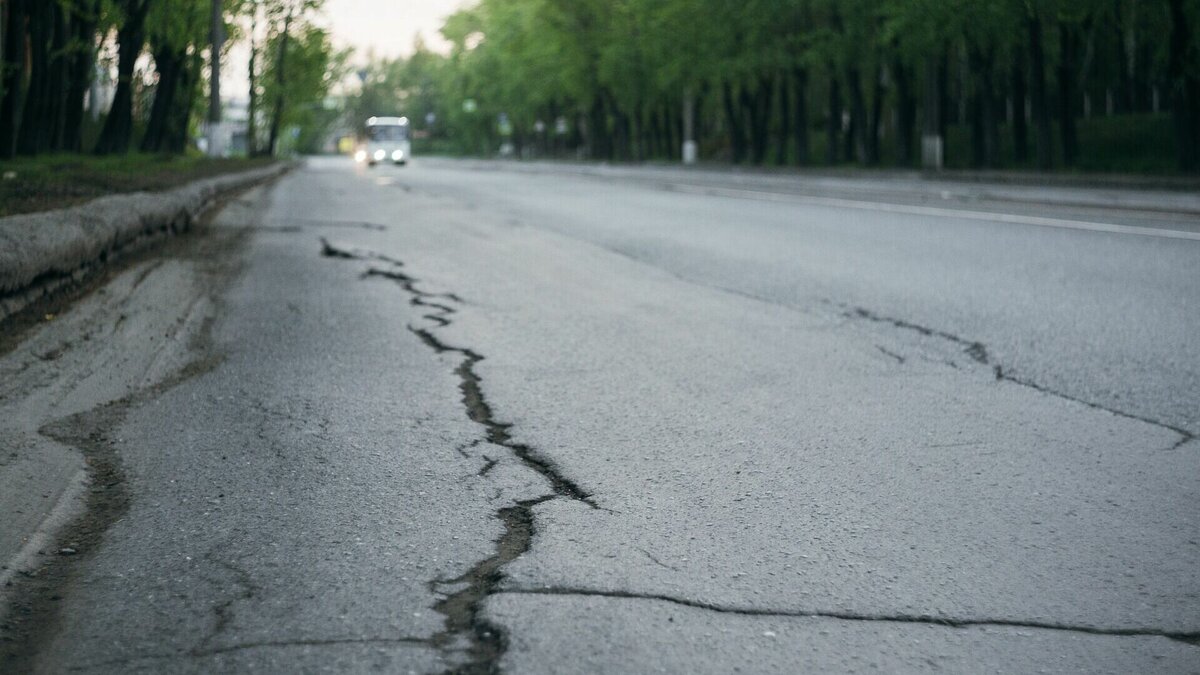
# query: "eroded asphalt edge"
{"points": [[465, 616], [30, 598]]}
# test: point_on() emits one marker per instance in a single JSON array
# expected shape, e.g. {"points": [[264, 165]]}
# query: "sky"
{"points": [[388, 27], [382, 27]]}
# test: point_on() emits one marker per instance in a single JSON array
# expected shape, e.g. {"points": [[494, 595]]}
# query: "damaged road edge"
{"points": [[29, 614], [44, 253], [32, 608]]}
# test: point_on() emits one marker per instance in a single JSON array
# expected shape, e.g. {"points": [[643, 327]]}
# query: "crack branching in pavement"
{"points": [[978, 352], [498, 432], [465, 631], [477, 407], [486, 643], [1190, 638]]}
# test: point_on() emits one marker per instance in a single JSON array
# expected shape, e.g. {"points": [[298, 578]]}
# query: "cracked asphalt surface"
{"points": [[463, 417]]}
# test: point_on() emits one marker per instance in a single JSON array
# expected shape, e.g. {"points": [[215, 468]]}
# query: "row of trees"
{"points": [[803, 81], [58, 55]]}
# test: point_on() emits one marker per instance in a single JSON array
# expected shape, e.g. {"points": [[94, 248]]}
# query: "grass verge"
{"points": [[31, 184]]}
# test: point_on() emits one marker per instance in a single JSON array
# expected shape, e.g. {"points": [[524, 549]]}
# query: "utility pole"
{"points": [[217, 34]]}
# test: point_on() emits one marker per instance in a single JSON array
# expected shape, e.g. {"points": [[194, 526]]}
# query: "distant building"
{"points": [[230, 137]]}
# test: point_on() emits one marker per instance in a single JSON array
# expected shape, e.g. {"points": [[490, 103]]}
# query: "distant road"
{"points": [[1094, 293]]}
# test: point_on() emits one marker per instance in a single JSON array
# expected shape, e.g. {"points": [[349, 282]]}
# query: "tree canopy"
{"points": [[803, 81], [150, 99]]}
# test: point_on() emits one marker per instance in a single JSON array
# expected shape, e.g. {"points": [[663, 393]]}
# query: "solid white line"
{"points": [[910, 209]]}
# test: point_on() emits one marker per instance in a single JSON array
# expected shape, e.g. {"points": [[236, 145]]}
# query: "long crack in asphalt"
{"points": [[1192, 638], [978, 353], [465, 631]]}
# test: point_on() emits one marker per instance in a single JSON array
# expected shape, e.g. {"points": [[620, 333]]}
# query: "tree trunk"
{"points": [[56, 89], [1185, 94], [281, 65], [943, 92], [186, 91], [800, 80], [15, 59], [758, 106], [35, 127], [785, 121], [598, 138], [1123, 98], [117, 134], [1043, 138], [906, 114], [975, 114], [82, 62], [875, 118], [1019, 128], [985, 136], [673, 140], [168, 64], [621, 139], [1067, 40], [932, 140], [638, 124], [217, 38], [858, 114], [833, 127], [252, 108], [734, 118]]}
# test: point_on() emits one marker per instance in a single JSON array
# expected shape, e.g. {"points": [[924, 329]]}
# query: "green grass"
{"points": [[31, 184]]}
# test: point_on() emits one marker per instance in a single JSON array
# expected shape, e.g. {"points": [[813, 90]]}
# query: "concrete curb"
{"points": [[41, 252]]}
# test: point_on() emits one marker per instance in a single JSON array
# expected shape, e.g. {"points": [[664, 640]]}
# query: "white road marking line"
{"points": [[1039, 221]]}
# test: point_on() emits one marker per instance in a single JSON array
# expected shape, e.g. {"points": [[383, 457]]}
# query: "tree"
{"points": [[298, 78], [117, 134], [176, 29]]}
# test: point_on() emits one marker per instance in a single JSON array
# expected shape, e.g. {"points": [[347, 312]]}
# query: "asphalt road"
{"points": [[472, 416]]}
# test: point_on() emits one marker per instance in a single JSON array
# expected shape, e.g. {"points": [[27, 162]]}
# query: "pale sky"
{"points": [[386, 27]]}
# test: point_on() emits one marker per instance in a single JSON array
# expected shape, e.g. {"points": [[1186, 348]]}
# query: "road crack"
{"points": [[223, 611], [486, 642], [465, 632], [978, 352], [243, 646], [1192, 638]]}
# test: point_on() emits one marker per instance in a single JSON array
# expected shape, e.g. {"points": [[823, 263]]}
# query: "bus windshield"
{"points": [[387, 132]]}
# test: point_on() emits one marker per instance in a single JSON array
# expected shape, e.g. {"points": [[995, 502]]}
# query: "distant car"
{"points": [[386, 140]]}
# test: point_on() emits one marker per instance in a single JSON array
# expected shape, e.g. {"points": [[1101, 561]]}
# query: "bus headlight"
{"points": [[397, 155], [379, 155]]}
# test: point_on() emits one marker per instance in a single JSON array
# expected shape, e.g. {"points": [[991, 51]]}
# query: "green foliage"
{"points": [[609, 78], [311, 67]]}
